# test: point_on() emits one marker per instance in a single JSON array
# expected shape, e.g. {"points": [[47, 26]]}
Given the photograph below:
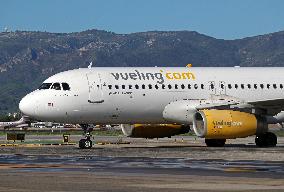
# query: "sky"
{"points": [[222, 19]]}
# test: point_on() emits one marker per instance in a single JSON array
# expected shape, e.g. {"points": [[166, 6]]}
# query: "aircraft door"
{"points": [[95, 87]]}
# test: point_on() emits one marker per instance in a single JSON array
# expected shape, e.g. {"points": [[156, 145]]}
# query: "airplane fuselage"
{"points": [[11, 124], [139, 95]]}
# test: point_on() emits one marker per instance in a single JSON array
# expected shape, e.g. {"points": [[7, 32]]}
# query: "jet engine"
{"points": [[227, 124], [153, 130]]}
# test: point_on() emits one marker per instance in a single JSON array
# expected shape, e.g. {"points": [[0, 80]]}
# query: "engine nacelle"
{"points": [[227, 124], [153, 130], [181, 111]]}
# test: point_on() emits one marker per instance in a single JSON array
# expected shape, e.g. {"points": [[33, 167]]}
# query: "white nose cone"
{"points": [[27, 106]]}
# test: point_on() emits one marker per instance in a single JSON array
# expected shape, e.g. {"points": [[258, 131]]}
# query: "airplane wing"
{"points": [[270, 106], [216, 105], [274, 103], [273, 106]]}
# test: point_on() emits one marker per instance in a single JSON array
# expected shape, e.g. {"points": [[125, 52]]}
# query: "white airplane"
{"points": [[20, 123], [151, 102]]}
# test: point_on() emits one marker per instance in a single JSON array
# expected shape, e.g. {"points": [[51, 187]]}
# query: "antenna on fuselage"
{"points": [[90, 66]]}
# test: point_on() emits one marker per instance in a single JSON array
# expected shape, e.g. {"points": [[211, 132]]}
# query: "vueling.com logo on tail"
{"points": [[160, 77]]}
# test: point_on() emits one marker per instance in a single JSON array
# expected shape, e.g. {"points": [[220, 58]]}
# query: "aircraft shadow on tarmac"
{"points": [[228, 146]]}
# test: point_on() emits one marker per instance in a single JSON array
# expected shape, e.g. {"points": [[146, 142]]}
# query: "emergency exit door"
{"points": [[217, 88]]}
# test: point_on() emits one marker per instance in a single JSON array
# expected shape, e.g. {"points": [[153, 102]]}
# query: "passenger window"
{"points": [[255, 86], [195, 86], [249, 86], [56, 86], [169, 86], [274, 86], [136, 86], [242, 86], [123, 86], [176, 86], [163, 86], [189, 86], [143, 86], [236, 86], [211, 86], [268, 86], [150, 86], [229, 86], [182, 86], [45, 86], [261, 86], [156, 86], [130, 86], [202, 86], [281, 86], [109, 86], [65, 86], [116, 86]]}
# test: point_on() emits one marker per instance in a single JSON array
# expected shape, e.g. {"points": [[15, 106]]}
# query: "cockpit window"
{"points": [[56, 86], [65, 86], [45, 86]]}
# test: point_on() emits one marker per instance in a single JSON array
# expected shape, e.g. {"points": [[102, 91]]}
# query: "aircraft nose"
{"points": [[27, 106]]}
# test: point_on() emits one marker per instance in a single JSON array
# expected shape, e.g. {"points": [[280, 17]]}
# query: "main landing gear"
{"points": [[87, 142], [267, 139]]}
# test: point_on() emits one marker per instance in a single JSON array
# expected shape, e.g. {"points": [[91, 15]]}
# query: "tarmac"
{"points": [[180, 163]]}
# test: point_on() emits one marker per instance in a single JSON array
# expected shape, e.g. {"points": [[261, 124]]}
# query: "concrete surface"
{"points": [[176, 164]]}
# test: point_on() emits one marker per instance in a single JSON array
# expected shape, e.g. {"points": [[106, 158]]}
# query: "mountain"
{"points": [[27, 58]]}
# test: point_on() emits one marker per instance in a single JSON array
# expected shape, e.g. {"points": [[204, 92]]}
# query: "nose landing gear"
{"points": [[87, 142]]}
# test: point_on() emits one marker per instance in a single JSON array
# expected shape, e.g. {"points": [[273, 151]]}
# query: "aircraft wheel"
{"points": [[85, 144], [259, 141], [267, 139], [215, 142]]}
